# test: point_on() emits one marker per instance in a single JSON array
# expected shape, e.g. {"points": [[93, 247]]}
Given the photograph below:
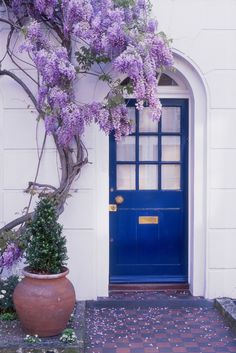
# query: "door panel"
{"points": [[149, 170]]}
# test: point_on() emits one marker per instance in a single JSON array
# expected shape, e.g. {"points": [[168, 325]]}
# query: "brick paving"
{"points": [[157, 322]]}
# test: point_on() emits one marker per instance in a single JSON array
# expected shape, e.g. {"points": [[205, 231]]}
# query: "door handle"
{"points": [[119, 199]]}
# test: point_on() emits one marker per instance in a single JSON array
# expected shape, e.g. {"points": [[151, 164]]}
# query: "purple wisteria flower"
{"points": [[46, 7], [10, 256], [118, 32]]}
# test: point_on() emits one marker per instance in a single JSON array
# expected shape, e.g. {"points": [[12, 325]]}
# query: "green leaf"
{"points": [[86, 58], [114, 101], [124, 3], [105, 78]]}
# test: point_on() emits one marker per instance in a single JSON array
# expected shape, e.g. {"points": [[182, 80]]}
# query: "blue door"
{"points": [[149, 198]]}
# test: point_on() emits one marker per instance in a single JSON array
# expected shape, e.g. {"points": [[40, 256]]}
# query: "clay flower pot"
{"points": [[44, 303]]}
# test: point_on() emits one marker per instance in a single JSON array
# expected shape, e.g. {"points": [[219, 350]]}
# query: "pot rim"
{"points": [[27, 273]]}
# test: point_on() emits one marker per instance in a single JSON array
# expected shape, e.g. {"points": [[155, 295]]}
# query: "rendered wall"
{"points": [[88, 255], [205, 31]]}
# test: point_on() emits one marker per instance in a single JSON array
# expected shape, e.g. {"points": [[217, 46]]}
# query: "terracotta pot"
{"points": [[44, 303]]}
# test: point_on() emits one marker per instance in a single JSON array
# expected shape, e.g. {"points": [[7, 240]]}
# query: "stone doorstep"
{"points": [[142, 304], [227, 308]]}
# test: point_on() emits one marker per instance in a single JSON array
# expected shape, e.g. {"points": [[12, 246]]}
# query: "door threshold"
{"points": [[141, 287]]}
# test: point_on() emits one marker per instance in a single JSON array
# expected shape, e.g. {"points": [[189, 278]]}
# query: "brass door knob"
{"points": [[119, 199]]}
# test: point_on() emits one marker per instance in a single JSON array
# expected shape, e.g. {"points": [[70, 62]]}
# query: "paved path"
{"points": [[164, 322]]}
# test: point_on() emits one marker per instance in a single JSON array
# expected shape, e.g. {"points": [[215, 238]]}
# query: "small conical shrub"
{"points": [[46, 250]]}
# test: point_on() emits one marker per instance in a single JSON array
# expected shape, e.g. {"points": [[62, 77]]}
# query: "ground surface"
{"points": [[149, 322], [167, 322], [12, 337]]}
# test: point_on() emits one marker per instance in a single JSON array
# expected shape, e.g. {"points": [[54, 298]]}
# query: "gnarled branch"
{"points": [[22, 84]]}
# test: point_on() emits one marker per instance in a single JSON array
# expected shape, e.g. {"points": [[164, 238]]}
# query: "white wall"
{"points": [[87, 240], [205, 31]]}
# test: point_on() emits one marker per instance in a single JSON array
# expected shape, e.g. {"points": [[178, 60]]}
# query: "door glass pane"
{"points": [[146, 124], [131, 116], [125, 149], [170, 119], [170, 148], [148, 148], [125, 177], [170, 177], [148, 177]]}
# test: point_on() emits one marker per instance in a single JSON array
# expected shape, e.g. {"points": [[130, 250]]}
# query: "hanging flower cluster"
{"points": [[10, 256], [119, 32]]}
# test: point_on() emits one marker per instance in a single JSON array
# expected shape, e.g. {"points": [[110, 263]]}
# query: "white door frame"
{"points": [[194, 88]]}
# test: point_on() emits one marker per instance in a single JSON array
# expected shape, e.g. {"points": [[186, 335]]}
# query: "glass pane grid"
{"points": [[150, 158], [125, 177], [170, 149], [146, 124], [125, 149], [148, 177], [148, 148], [170, 119], [170, 177]]}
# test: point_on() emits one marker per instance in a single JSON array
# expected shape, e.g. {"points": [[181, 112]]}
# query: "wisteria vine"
{"points": [[67, 39]]}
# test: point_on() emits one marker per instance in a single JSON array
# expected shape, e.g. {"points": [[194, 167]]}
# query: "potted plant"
{"points": [[45, 298]]}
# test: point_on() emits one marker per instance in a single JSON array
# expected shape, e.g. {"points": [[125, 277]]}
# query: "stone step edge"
{"points": [[168, 303], [227, 308]]}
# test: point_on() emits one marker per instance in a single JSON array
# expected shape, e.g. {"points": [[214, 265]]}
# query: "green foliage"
{"points": [[46, 252], [6, 238], [86, 58], [105, 78], [8, 316], [7, 287], [115, 100], [124, 3], [68, 336], [128, 87]]}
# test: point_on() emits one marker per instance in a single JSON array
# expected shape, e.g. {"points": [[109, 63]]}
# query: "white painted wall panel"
{"points": [[13, 94], [217, 14], [221, 243], [20, 167], [102, 213], [87, 175], [222, 283], [214, 40], [1, 206], [79, 211], [222, 128], [3, 34], [89, 137], [222, 81], [15, 202], [178, 14], [222, 168], [1, 167], [222, 209], [81, 252], [24, 130]]}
